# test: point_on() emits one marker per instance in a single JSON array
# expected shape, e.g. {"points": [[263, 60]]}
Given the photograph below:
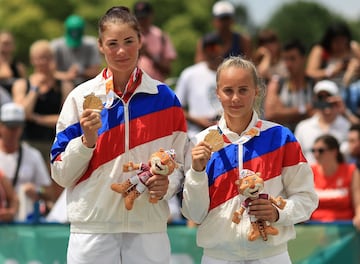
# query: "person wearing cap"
{"points": [[234, 43], [328, 118], [196, 87], [157, 52], [21, 163], [77, 56]]}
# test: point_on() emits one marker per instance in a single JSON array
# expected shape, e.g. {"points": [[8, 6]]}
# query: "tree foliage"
{"points": [[185, 21], [303, 20]]}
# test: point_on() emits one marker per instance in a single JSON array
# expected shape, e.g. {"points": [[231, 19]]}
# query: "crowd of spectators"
{"points": [[313, 93]]}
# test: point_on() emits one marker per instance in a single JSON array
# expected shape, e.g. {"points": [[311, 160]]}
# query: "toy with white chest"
{"points": [[251, 185], [160, 163]]}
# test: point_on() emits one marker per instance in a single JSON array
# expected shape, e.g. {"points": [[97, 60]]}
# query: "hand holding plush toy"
{"points": [[251, 185], [161, 163]]}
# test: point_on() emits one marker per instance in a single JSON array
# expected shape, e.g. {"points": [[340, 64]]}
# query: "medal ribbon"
{"points": [[133, 82], [252, 132]]}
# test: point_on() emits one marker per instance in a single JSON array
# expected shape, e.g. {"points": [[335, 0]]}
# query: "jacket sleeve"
{"points": [[196, 200], [176, 179], [302, 199], [69, 157], [65, 171], [179, 143]]}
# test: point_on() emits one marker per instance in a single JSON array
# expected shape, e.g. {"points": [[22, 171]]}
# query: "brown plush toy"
{"points": [[161, 163], [251, 185]]}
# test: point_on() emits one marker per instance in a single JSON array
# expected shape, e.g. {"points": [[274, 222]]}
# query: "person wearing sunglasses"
{"points": [[335, 182]]}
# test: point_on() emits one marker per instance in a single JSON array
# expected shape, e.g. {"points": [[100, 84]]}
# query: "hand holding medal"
{"points": [[215, 140], [91, 120]]}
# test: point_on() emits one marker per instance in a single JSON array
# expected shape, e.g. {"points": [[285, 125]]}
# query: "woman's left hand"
{"points": [[263, 209], [158, 186]]}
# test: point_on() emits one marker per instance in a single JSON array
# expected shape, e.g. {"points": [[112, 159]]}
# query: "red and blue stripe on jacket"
{"points": [[151, 116], [269, 153]]}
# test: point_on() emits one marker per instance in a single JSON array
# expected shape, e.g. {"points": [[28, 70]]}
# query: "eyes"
{"points": [[117, 43], [239, 90]]}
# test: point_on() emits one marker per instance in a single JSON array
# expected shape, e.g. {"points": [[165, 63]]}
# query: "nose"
{"points": [[236, 97], [120, 50], [164, 160]]}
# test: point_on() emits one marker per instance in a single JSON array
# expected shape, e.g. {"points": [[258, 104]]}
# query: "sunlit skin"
{"points": [[237, 91], [327, 158], [43, 61], [294, 62], [120, 45]]}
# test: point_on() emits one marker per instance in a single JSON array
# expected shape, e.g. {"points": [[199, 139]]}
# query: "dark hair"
{"points": [[211, 39], [266, 36], [331, 143], [335, 30], [142, 9], [295, 44], [118, 14], [355, 127]]}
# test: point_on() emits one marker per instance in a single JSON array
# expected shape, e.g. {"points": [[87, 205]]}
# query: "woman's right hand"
{"points": [[90, 122], [200, 156]]}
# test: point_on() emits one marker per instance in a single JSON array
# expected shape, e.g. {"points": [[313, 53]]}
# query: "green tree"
{"points": [[304, 20]]}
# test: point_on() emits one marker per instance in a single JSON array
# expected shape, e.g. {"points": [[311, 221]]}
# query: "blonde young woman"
{"points": [[250, 144], [42, 96]]}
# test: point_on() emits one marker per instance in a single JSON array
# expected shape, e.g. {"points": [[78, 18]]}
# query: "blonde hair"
{"points": [[239, 62], [42, 45]]}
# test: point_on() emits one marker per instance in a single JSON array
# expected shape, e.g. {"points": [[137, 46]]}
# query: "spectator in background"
{"points": [[327, 119], [9, 202], [196, 87], [289, 99], [21, 163], [157, 52], [10, 68], [42, 96], [233, 43], [5, 96], [333, 57], [77, 56], [336, 183], [267, 56], [353, 147], [354, 151]]}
